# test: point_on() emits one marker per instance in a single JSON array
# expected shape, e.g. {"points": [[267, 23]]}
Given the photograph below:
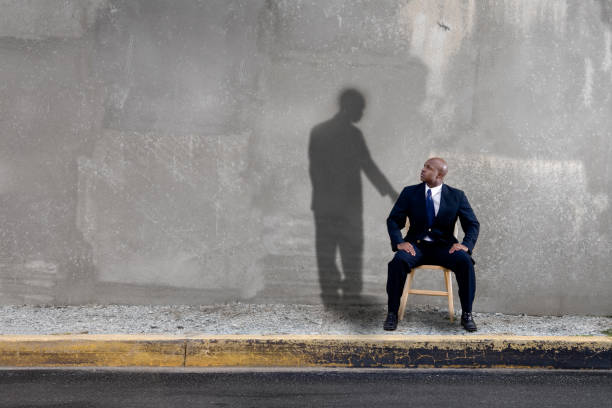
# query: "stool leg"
{"points": [[449, 289], [404, 298]]}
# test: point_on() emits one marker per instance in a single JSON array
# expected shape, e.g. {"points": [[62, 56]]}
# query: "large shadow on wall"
{"points": [[337, 155]]}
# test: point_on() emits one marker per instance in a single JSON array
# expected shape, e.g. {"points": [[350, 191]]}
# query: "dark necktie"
{"points": [[431, 211]]}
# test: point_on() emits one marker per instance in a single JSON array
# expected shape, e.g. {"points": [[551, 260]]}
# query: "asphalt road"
{"points": [[303, 388]]}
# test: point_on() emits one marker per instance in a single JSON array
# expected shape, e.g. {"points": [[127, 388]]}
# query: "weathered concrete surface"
{"points": [[399, 351], [36, 19], [307, 351], [157, 152]]}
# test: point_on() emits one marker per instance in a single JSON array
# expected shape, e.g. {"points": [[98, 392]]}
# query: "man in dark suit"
{"points": [[432, 208]]}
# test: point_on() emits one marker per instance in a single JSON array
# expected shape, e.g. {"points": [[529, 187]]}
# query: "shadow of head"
{"points": [[352, 104]]}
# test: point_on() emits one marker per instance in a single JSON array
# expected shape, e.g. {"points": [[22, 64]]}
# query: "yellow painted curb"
{"points": [[92, 350], [306, 351], [399, 351]]}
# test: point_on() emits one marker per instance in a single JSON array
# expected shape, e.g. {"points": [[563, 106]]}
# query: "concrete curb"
{"points": [[390, 351]]}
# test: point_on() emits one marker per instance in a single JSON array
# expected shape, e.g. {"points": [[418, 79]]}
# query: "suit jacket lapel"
{"points": [[421, 210]]}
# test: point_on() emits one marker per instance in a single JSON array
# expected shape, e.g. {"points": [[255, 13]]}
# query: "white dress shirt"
{"points": [[436, 193]]}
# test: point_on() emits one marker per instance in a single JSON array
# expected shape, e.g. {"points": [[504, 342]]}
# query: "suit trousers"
{"points": [[431, 253]]}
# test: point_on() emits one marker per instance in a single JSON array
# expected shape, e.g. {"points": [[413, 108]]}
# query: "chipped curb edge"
{"points": [[360, 351]]}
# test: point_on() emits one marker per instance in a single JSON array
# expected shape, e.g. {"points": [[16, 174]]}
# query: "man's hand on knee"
{"points": [[406, 246], [456, 247]]}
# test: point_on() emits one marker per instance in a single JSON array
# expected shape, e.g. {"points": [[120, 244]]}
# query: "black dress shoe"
{"points": [[468, 322], [391, 322]]}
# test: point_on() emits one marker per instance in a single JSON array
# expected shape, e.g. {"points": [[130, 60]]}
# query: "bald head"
{"points": [[440, 163], [433, 171]]}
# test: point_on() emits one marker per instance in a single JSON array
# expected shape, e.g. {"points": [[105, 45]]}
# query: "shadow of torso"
{"points": [[337, 153]]}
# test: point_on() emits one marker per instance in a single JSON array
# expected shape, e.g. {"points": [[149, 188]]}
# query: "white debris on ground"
{"points": [[244, 318]]}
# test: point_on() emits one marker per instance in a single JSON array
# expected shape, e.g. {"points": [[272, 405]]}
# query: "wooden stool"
{"points": [[447, 280], [408, 290]]}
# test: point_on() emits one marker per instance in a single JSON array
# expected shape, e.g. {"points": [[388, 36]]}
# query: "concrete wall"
{"points": [[157, 151]]}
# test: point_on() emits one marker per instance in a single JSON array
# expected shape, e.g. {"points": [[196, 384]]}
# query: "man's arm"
{"points": [[397, 219], [469, 223]]}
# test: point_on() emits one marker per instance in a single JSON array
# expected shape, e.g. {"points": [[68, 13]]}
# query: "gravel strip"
{"points": [[243, 318]]}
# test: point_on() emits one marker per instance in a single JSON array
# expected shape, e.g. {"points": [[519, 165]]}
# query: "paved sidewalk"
{"points": [[275, 319], [239, 334]]}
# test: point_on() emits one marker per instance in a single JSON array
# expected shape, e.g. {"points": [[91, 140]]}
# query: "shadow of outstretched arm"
{"points": [[376, 177]]}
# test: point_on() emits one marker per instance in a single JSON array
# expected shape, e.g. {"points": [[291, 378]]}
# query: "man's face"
{"points": [[430, 172]]}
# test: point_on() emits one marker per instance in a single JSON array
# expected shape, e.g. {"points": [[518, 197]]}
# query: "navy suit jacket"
{"points": [[453, 204]]}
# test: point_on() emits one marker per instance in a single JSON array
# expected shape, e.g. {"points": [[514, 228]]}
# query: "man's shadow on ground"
{"points": [[365, 319], [337, 155]]}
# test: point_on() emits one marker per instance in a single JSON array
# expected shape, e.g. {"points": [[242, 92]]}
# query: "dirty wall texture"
{"points": [[160, 152]]}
